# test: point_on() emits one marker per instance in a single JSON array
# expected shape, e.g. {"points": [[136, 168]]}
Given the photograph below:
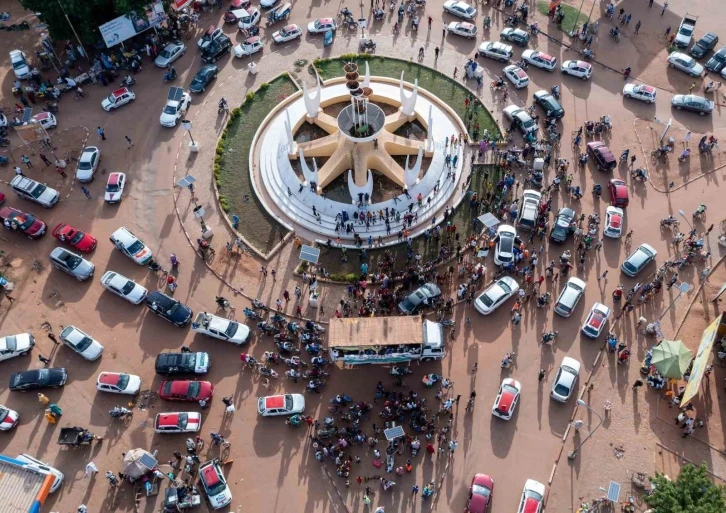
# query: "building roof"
{"points": [[21, 487], [375, 331]]}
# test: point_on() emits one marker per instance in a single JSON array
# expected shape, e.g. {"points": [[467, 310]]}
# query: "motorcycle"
{"points": [[51, 107], [221, 302], [341, 400], [583, 159], [555, 91], [669, 221], [507, 360], [260, 305], [400, 371], [252, 314], [313, 349], [314, 326], [294, 362], [415, 446], [320, 361], [345, 13], [278, 319], [175, 263], [169, 76], [222, 107], [615, 34], [269, 356], [549, 336], [700, 212], [534, 29], [128, 81], [639, 175], [286, 347], [605, 122], [293, 375], [543, 300], [267, 372], [597, 190], [522, 64], [314, 385], [487, 23], [315, 373], [685, 155], [119, 412], [268, 329], [588, 54], [379, 14]]}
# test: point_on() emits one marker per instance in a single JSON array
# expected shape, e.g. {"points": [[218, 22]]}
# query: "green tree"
{"points": [[85, 15], [691, 492]]}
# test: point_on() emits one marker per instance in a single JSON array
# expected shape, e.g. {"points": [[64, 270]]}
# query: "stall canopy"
{"points": [[708, 338], [137, 463], [671, 358]]}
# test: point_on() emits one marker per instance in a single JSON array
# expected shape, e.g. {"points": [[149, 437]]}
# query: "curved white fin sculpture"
{"points": [[412, 173], [367, 78], [312, 103], [408, 102], [355, 190], [430, 131], [288, 130], [310, 176]]}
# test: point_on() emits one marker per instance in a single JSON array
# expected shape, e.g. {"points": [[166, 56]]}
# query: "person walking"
{"points": [[667, 31], [665, 6], [26, 161], [53, 338], [101, 133], [86, 192], [91, 470], [44, 159], [603, 276], [436, 54], [43, 359], [637, 27], [692, 87], [60, 171], [414, 490], [541, 375], [638, 383], [129, 144]]}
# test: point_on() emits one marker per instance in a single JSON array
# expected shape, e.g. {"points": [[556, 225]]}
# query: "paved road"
{"points": [[273, 469]]}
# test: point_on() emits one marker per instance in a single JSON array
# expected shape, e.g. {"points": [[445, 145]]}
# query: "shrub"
{"points": [[263, 86], [234, 114], [250, 96], [344, 277]]}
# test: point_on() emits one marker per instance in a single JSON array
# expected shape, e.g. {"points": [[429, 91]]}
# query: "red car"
{"points": [[618, 193], [601, 154], [480, 494], [82, 241], [183, 390], [27, 224]]}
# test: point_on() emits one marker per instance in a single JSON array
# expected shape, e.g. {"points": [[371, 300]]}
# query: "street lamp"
{"points": [[573, 453], [683, 215]]}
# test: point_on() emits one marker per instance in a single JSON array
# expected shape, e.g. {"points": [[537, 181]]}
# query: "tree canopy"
{"points": [[692, 492], [85, 15]]}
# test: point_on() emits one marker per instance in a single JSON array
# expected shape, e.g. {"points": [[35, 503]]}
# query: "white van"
{"points": [[20, 64], [571, 293], [527, 218]]}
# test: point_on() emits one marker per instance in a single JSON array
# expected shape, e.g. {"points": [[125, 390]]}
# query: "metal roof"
{"points": [[20, 487], [374, 331]]}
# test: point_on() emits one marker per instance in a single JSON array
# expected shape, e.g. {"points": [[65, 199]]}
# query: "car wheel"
{"points": [[503, 60], [651, 102], [204, 88], [628, 96], [701, 113], [584, 77], [25, 353], [671, 65], [678, 107]]}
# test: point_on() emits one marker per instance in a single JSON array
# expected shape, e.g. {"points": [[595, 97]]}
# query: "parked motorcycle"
{"points": [[119, 412]]}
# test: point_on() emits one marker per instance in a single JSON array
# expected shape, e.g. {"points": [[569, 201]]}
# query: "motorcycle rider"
{"points": [[615, 32], [626, 72], [223, 104]]}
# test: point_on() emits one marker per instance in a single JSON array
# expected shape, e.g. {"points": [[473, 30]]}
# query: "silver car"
{"points": [[636, 261], [70, 263], [685, 63], [170, 53]]}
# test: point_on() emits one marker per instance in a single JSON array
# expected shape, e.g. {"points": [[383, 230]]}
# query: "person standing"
{"points": [[638, 383], [53, 338], [18, 171], [60, 171], [43, 359], [101, 133], [665, 6], [44, 159], [86, 192], [436, 54], [91, 470], [26, 161], [541, 375], [128, 142]]}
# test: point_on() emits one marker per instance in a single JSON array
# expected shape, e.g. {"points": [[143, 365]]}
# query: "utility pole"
{"points": [[85, 53]]}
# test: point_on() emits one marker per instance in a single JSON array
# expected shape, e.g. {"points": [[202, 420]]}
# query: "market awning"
{"points": [[710, 334], [671, 358]]}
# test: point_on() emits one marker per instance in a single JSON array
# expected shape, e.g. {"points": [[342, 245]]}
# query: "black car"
{"points": [[563, 225], [693, 103], [203, 77], [169, 308], [704, 45], [182, 363], [425, 295], [217, 49], [549, 103], [40, 378], [717, 60]]}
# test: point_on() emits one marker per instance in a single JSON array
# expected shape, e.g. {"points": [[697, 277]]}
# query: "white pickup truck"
{"points": [[221, 328], [685, 31]]}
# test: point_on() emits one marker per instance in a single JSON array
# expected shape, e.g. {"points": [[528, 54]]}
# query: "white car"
{"points": [[613, 222], [566, 379], [45, 119], [214, 484], [268, 4], [81, 343], [170, 53], [88, 163], [3, 120], [685, 63], [221, 328], [532, 500], [122, 286], [580, 69], [249, 21], [118, 383], [496, 294], [248, 47], [177, 104], [462, 29], [517, 76], [571, 293], [118, 98], [322, 25], [507, 398], [210, 35], [21, 68], [8, 418], [178, 422], [540, 59], [504, 249], [460, 9], [273, 405], [114, 187], [638, 259], [131, 246], [286, 34], [16, 345], [495, 50], [596, 319], [644, 93]]}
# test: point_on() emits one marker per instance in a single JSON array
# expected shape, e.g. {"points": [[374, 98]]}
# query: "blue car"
{"points": [[203, 78]]}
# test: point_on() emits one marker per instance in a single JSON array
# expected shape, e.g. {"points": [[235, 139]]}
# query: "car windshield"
{"points": [[165, 53], [84, 344], [630, 267], [85, 164], [19, 64], [288, 402], [38, 190], [510, 389], [687, 31], [24, 221], [123, 381], [3, 413], [719, 57], [469, 10], [216, 488], [506, 243], [172, 309], [135, 247], [11, 343], [128, 287], [480, 490], [531, 494], [528, 123], [194, 388], [231, 329], [182, 420], [77, 237], [319, 24], [170, 109], [112, 187], [72, 261], [111, 98], [559, 231], [490, 297]]}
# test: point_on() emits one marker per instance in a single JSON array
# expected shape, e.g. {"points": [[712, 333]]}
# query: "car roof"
{"points": [[109, 378], [274, 401], [113, 178], [210, 474], [465, 25], [179, 386], [290, 27], [167, 419], [325, 20], [119, 92], [251, 40], [124, 235], [576, 281]]}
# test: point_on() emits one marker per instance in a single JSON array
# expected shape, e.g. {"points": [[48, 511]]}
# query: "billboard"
{"points": [[701, 360], [125, 27], [180, 4]]}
